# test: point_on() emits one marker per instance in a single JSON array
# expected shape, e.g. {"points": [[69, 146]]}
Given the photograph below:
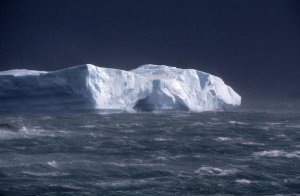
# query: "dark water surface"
{"points": [[243, 152]]}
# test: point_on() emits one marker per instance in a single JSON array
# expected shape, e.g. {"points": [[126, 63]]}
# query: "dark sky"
{"points": [[253, 45]]}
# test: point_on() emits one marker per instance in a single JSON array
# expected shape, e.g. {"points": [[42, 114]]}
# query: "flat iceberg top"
{"points": [[148, 87], [158, 71], [21, 72]]}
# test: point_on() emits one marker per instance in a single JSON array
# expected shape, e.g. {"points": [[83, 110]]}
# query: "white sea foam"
{"points": [[237, 122], [208, 170], [265, 128], [296, 126], [281, 135], [294, 154], [161, 139], [52, 163], [125, 183], [223, 139], [7, 134], [270, 153], [23, 132], [252, 143], [128, 131], [137, 164], [47, 117], [88, 126], [40, 174], [243, 181], [277, 153], [274, 123], [197, 124], [90, 148], [161, 158]]}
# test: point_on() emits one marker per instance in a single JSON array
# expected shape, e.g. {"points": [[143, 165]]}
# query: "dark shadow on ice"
{"points": [[144, 105]]}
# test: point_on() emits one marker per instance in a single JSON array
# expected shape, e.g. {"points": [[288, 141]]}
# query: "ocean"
{"points": [[245, 151]]}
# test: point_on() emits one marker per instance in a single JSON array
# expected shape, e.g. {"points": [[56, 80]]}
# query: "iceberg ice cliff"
{"points": [[149, 87]]}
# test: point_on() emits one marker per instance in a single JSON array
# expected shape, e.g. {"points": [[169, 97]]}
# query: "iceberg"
{"points": [[88, 87]]}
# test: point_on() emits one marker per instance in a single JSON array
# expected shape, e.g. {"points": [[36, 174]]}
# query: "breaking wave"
{"points": [[208, 170], [277, 153], [173, 153]]}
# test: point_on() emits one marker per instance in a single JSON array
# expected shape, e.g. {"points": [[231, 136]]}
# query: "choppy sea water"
{"points": [[242, 152]]}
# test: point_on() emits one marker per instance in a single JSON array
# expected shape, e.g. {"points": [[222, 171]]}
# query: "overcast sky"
{"points": [[253, 45]]}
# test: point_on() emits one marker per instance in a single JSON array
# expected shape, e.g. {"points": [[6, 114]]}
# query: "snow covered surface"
{"points": [[21, 72], [149, 87]]}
